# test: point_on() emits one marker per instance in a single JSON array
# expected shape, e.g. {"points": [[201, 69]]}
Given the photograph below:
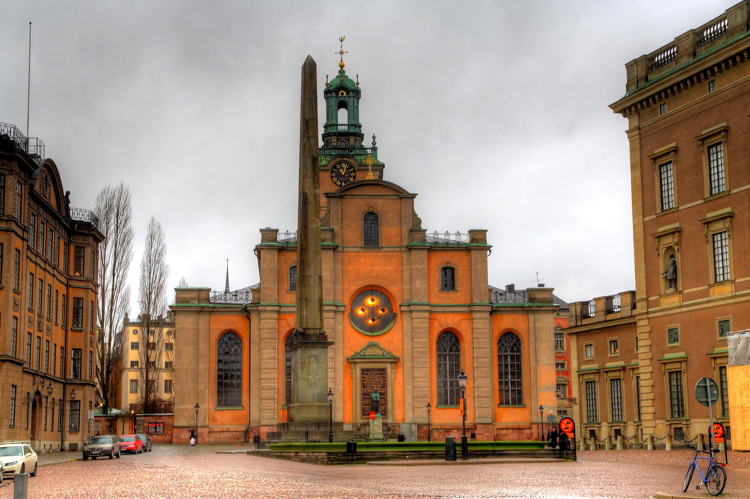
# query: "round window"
{"points": [[135, 331], [371, 312]]}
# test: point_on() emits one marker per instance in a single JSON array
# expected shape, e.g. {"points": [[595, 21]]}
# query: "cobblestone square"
{"points": [[181, 471]]}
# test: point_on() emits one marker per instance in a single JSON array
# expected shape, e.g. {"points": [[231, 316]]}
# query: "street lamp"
{"points": [[541, 418], [195, 432], [462, 377], [330, 415], [429, 424]]}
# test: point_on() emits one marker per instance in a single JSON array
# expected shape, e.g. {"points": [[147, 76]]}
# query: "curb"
{"points": [[660, 495], [458, 462]]}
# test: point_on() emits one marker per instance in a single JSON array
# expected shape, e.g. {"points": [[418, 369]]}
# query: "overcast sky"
{"points": [[493, 112]]}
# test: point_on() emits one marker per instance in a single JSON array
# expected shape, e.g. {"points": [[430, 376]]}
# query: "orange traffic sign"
{"points": [[719, 433], [567, 426]]}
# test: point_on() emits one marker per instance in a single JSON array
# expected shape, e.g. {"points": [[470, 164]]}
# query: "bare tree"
{"points": [[114, 210], [153, 311]]}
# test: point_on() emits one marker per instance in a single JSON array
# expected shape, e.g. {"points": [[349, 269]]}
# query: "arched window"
{"points": [[447, 279], [509, 369], [371, 229], [229, 371], [293, 278], [288, 370], [449, 366]]}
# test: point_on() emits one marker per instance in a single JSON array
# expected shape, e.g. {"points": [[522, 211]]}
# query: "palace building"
{"points": [[48, 296], [406, 310], [686, 104]]}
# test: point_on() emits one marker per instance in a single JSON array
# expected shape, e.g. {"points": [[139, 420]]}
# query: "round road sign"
{"points": [[707, 391]]}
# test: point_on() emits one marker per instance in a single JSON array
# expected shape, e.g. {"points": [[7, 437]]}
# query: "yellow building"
{"points": [[147, 354]]}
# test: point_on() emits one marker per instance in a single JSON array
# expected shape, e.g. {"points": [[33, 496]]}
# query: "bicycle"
{"points": [[715, 478]]}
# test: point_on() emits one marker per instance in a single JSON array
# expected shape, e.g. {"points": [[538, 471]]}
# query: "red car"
{"points": [[131, 443]]}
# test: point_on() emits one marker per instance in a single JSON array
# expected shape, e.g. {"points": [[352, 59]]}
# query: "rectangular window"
{"points": [[724, 391], [559, 341], [560, 366], [46, 356], [666, 180], [54, 358], [168, 386], [75, 416], [40, 244], [28, 350], [62, 362], [60, 418], [14, 340], [17, 273], [77, 313], [56, 251], [91, 365], [133, 364], [64, 311], [19, 201], [49, 302], [562, 390], [91, 317], [638, 398], [65, 257], [133, 386], [40, 296], [168, 364], [662, 108], [2, 194], [615, 393], [591, 413], [57, 306], [50, 238], [31, 291], [32, 230], [12, 416], [152, 345], [293, 278], [614, 347], [134, 345], [725, 326], [79, 259], [447, 279], [52, 416], [673, 336], [1, 260], [711, 86], [676, 395], [151, 365], [716, 181], [588, 350], [75, 363], [721, 256], [46, 405], [38, 354], [156, 428], [169, 347]]}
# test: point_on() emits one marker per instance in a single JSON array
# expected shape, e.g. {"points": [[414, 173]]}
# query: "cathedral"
{"points": [[405, 311]]}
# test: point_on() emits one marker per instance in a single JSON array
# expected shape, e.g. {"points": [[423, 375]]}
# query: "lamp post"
{"points": [[330, 415], [429, 423], [195, 433], [541, 418], [462, 377]]}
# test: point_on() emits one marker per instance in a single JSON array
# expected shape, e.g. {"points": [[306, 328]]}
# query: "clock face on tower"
{"points": [[343, 173]]}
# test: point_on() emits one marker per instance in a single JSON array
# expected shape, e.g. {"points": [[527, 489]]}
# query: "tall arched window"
{"points": [[371, 229], [288, 370], [229, 371], [447, 279], [449, 366], [293, 278], [509, 369]]}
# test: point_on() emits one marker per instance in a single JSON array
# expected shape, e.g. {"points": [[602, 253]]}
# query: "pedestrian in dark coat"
{"points": [[553, 438]]}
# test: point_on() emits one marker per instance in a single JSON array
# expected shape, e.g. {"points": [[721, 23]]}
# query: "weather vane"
{"points": [[341, 51]]}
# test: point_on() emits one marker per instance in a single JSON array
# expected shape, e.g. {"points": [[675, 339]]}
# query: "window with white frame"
{"points": [[716, 177], [666, 184], [615, 394]]}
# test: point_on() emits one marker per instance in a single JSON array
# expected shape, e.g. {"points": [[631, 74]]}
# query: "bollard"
{"points": [[21, 486], [450, 449], [668, 444], [701, 443], [582, 444], [592, 443], [618, 443], [607, 443], [650, 445]]}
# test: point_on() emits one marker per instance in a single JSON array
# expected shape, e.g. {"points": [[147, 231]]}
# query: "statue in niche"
{"points": [[375, 402], [671, 272]]}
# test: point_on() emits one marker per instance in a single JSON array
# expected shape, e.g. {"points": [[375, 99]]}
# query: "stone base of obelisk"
{"points": [[309, 379], [376, 428]]}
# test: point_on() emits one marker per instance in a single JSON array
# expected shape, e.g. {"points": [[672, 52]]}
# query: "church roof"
{"points": [[341, 81]]}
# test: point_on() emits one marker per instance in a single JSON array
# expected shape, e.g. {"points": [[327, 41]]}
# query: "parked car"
{"points": [[131, 443], [102, 445], [17, 457], [146, 442]]}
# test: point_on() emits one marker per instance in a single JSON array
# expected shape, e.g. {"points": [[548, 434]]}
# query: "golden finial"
{"points": [[369, 161], [341, 52]]}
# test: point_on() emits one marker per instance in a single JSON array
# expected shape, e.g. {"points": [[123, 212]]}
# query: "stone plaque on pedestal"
{"points": [[374, 379]]}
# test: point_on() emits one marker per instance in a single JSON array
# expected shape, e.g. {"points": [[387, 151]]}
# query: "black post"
{"points": [[330, 416], [541, 418], [462, 378], [429, 423], [196, 421]]}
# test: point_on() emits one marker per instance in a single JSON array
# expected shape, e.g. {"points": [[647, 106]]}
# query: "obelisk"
{"points": [[309, 342]]}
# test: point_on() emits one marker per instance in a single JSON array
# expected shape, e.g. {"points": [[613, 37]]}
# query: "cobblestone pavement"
{"points": [[181, 471]]}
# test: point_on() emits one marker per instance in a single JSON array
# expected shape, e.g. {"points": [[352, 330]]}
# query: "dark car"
{"points": [[100, 446], [146, 442], [131, 443]]}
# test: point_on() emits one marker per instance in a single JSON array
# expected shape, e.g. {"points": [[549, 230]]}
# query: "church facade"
{"points": [[406, 311]]}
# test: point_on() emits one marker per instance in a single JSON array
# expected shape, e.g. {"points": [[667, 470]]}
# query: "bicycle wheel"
{"points": [[716, 479], [688, 477]]}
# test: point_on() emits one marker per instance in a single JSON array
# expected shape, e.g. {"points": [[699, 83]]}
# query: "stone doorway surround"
{"points": [[372, 356]]}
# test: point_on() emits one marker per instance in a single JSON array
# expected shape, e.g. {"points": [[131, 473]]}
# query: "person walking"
{"points": [[553, 438]]}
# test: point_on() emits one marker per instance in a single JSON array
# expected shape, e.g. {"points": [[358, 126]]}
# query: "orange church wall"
{"points": [[459, 324], [461, 261], [518, 324], [389, 217], [286, 324], [287, 258], [220, 324]]}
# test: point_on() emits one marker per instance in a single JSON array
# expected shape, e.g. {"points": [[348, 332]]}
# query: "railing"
{"points": [[343, 127], [589, 310], [32, 145], [504, 296], [614, 303], [357, 151], [244, 296], [711, 33], [448, 237], [83, 215], [663, 58], [286, 237]]}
